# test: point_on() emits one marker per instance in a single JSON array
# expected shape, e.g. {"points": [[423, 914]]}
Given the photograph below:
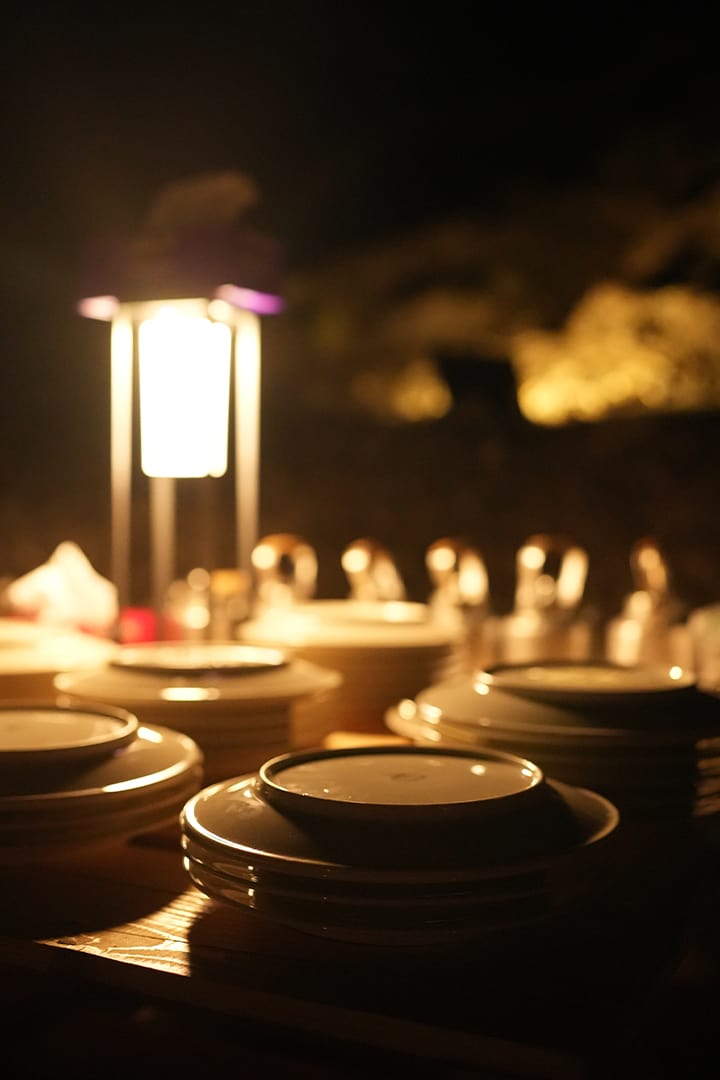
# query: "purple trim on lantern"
{"points": [[105, 307], [98, 307], [250, 299]]}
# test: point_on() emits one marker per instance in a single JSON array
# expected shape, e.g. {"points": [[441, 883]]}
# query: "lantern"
{"points": [[185, 353]]}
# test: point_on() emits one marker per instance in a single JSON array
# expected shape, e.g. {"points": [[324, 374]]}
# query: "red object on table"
{"points": [[136, 624]]}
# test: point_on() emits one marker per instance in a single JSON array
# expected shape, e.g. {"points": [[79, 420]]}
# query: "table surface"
{"points": [[120, 942], [598, 987]]}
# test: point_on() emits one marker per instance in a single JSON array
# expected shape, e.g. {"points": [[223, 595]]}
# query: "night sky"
{"points": [[355, 122], [352, 123]]}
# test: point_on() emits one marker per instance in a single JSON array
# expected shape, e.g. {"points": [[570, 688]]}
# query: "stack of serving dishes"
{"points": [[384, 650], [398, 846], [646, 738], [74, 779], [234, 700], [32, 654]]}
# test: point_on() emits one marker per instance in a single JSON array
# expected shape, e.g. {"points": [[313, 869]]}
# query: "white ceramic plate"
{"points": [[369, 892], [640, 781], [204, 690], [388, 906], [142, 786], [58, 840], [221, 724], [360, 922], [580, 683], [426, 720], [157, 759], [42, 734], [198, 657], [235, 822], [386, 783], [458, 701], [375, 916], [350, 623]]}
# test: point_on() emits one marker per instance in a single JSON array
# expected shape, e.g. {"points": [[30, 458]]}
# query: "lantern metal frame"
{"points": [[239, 308]]}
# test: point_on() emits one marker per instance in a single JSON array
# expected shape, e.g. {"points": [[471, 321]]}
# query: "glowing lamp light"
{"points": [[185, 354], [184, 365]]}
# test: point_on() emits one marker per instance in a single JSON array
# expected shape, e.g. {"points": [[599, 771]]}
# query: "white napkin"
{"points": [[65, 591]]}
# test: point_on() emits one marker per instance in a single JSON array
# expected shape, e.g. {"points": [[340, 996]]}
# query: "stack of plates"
{"points": [[32, 654], [648, 739], [384, 650], [78, 778], [397, 846], [234, 700]]}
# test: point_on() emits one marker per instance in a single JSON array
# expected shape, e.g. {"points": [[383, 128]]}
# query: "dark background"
{"points": [[357, 125]]}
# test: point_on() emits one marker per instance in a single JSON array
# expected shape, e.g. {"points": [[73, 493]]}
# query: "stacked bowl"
{"points": [[384, 650], [397, 846], [77, 778], [648, 739], [235, 701]]}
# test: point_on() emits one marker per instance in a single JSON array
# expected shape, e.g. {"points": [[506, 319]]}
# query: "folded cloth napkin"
{"points": [[65, 591]]}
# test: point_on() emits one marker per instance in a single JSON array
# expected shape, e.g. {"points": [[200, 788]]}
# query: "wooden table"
{"points": [[121, 942]]}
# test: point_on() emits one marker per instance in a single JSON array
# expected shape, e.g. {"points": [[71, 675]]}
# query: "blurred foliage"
{"points": [[566, 285]]}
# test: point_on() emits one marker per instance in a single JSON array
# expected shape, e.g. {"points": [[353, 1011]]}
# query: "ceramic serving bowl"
{"points": [[379, 623], [38, 734], [383, 650], [648, 739], [74, 778], [235, 700], [598, 684], [390, 785], [396, 845], [557, 694]]}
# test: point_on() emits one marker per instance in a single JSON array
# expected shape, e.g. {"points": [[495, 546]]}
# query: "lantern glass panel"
{"points": [[184, 365]]}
